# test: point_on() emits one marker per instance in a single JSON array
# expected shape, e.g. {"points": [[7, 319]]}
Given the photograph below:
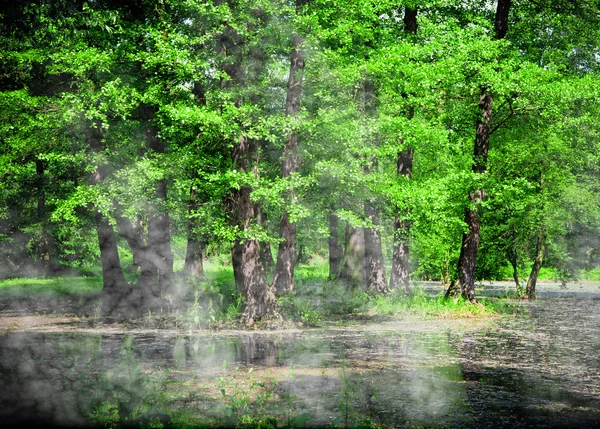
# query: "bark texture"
{"points": [[248, 270], [158, 254], [114, 285], [335, 249], [374, 268], [399, 277], [193, 267], [537, 265], [400, 274], [501, 19], [266, 257], [283, 281], [470, 241], [353, 269]]}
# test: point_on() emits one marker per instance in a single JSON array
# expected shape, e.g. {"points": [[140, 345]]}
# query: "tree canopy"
{"points": [[348, 128]]}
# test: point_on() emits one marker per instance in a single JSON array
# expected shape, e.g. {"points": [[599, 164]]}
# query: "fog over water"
{"points": [[539, 368]]}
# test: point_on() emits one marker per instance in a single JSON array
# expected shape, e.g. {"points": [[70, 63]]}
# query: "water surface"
{"points": [[537, 369]]}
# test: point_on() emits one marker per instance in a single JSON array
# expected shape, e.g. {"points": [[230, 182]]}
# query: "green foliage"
{"points": [[162, 69], [302, 310], [128, 395], [238, 398], [421, 305]]}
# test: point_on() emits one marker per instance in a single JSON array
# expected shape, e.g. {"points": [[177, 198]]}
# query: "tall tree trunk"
{"points": [[537, 265], [283, 281], [353, 269], [266, 257], [539, 251], [193, 266], [513, 258], [248, 270], [157, 267], [237, 249], [335, 250], [374, 268], [133, 232], [399, 277], [400, 274], [470, 241], [44, 250], [114, 284]]}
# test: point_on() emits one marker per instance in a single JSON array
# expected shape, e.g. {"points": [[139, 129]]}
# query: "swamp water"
{"points": [[540, 368]]}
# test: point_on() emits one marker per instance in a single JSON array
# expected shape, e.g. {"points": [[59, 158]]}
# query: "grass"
{"points": [[65, 286], [419, 304], [215, 302]]}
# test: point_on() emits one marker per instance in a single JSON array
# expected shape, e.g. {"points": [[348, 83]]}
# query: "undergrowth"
{"points": [[214, 301], [419, 304]]}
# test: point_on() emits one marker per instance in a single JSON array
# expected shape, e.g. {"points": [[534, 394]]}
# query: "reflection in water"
{"points": [[537, 370]]}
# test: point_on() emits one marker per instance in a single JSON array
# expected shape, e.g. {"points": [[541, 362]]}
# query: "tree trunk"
{"points": [[539, 251], [537, 265], [114, 284], [400, 274], [353, 269], [158, 259], [283, 281], [193, 267], [470, 241], [374, 268], [513, 258], [468, 252], [44, 250], [133, 234], [335, 250], [266, 257], [248, 270], [410, 20], [399, 277]]}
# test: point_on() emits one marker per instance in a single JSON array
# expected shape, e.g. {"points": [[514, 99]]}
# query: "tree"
{"points": [[399, 277], [286, 256], [470, 241]]}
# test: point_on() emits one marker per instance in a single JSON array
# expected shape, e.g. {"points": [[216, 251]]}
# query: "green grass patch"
{"points": [[420, 304], [593, 275], [213, 301], [66, 286], [317, 270]]}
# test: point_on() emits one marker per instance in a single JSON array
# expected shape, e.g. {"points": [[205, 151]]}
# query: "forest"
{"points": [[221, 160], [445, 140]]}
